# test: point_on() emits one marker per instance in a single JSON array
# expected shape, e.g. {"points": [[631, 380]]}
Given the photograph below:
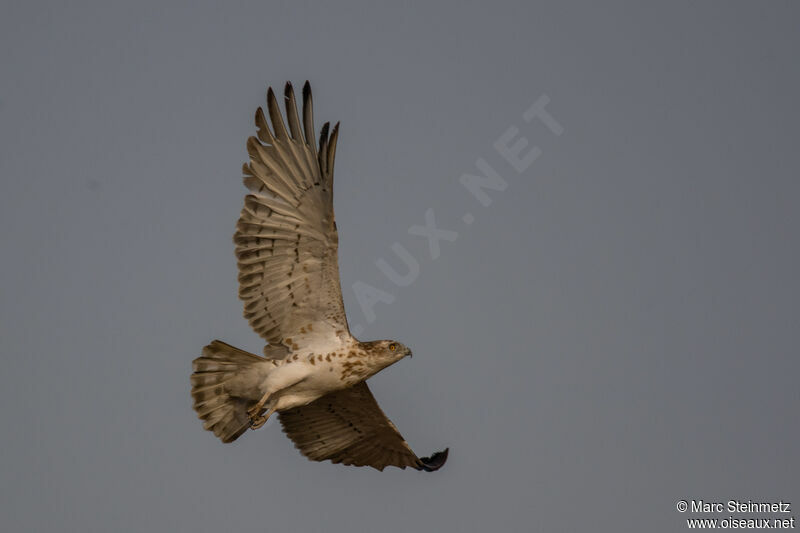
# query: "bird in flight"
{"points": [[313, 373]]}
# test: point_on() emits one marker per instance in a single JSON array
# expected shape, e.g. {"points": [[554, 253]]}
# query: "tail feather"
{"points": [[222, 413]]}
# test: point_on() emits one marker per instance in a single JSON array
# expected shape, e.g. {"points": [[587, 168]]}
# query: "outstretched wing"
{"points": [[347, 426], [286, 241]]}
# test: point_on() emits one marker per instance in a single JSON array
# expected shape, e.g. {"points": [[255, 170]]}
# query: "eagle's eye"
{"points": [[392, 347]]}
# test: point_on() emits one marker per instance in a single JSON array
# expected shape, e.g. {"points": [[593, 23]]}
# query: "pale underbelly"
{"points": [[319, 380]]}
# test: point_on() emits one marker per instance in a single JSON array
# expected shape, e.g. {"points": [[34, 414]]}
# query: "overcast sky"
{"points": [[610, 328]]}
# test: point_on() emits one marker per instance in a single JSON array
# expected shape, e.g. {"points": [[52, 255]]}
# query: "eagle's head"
{"points": [[385, 353]]}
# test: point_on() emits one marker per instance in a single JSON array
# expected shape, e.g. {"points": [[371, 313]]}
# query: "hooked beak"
{"points": [[410, 354]]}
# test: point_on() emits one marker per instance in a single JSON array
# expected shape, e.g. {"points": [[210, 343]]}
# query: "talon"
{"points": [[256, 418], [257, 421]]}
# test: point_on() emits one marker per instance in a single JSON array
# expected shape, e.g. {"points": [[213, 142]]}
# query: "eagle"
{"points": [[313, 373]]}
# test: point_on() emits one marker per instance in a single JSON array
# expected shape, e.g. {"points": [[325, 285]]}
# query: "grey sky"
{"points": [[617, 330]]}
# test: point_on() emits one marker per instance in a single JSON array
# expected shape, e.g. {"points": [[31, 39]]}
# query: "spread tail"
{"points": [[212, 383]]}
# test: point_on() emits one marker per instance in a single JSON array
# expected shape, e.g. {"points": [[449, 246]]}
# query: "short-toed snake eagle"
{"points": [[314, 373]]}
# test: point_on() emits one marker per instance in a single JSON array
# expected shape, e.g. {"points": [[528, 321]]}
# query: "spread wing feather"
{"points": [[349, 427], [286, 240]]}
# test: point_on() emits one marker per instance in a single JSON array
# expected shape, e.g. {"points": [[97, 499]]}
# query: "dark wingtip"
{"points": [[288, 90], [306, 89], [435, 461]]}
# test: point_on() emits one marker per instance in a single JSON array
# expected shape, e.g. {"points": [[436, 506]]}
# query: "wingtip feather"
{"points": [[435, 461]]}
